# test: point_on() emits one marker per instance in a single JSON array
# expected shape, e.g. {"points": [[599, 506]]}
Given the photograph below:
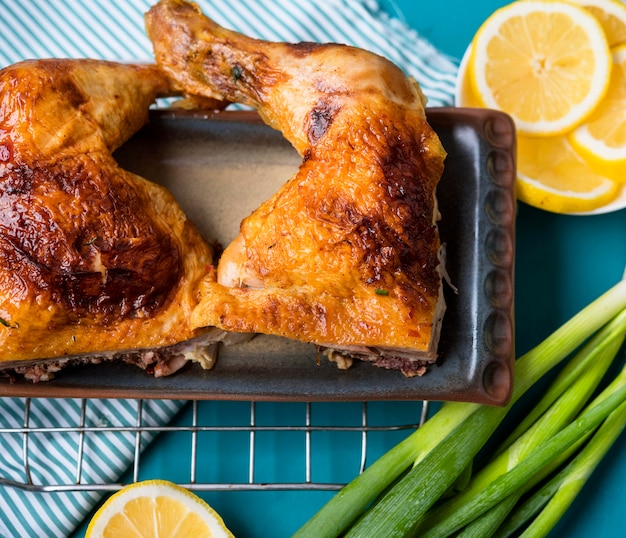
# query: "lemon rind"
{"points": [[152, 489], [600, 156], [537, 194]]}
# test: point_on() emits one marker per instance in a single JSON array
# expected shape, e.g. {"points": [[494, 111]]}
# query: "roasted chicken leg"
{"points": [[346, 254], [93, 259]]}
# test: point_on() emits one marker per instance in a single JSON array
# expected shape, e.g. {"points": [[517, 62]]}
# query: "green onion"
{"points": [[559, 492], [490, 521], [514, 479], [576, 474], [528, 509], [596, 357], [391, 497], [336, 516], [609, 337], [399, 510]]}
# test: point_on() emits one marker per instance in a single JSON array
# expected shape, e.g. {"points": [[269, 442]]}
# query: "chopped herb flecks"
{"points": [[236, 72], [7, 324]]}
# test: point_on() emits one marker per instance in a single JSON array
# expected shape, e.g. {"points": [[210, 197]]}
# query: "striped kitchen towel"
{"points": [[60, 455], [114, 30]]}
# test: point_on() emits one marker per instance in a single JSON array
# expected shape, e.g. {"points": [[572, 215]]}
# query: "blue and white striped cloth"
{"points": [[58, 457], [114, 30]]}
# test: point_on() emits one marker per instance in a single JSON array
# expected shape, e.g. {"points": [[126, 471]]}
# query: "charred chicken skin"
{"points": [[346, 253], [93, 259]]}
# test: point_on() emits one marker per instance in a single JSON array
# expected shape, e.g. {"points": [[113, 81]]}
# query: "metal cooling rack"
{"points": [[196, 437]]}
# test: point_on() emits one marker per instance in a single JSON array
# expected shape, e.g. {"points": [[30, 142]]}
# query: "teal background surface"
{"points": [[563, 262]]}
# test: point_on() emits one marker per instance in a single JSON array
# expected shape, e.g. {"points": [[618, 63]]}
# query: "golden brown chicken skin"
{"points": [[346, 253], [92, 257]]}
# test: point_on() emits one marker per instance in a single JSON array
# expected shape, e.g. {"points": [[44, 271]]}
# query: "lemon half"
{"points": [[156, 509]]}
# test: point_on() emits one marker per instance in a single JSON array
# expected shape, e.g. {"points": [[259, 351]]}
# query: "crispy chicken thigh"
{"points": [[93, 259], [346, 253]]}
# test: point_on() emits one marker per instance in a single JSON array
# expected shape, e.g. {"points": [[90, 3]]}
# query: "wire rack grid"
{"points": [[292, 435]]}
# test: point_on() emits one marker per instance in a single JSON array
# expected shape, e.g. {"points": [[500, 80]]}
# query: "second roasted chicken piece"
{"points": [[95, 262], [346, 254]]}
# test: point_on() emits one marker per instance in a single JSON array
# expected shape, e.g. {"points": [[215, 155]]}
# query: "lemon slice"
{"points": [[156, 508], [546, 63], [537, 184], [601, 140], [552, 176], [612, 17]]}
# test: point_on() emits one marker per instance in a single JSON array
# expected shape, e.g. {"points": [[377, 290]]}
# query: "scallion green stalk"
{"points": [[572, 478], [525, 511], [597, 355], [578, 472], [489, 522], [397, 512], [525, 470], [567, 376]]}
